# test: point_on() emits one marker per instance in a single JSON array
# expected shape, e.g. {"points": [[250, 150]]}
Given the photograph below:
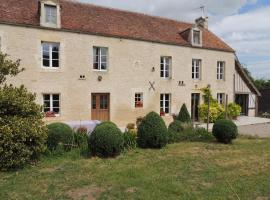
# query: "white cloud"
{"points": [[248, 34], [185, 10]]}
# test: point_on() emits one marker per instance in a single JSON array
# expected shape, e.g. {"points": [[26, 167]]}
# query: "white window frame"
{"points": [[193, 38], [220, 70], [221, 98], [138, 98], [163, 101], [100, 58], [50, 44], [51, 102], [43, 14], [49, 17], [165, 66], [196, 69]]}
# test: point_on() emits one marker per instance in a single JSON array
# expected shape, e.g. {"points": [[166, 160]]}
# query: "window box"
{"points": [[162, 113], [139, 105], [50, 114]]}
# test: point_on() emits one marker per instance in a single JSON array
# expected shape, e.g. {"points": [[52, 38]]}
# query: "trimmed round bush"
{"points": [[152, 132], [174, 131], [225, 131], [60, 136], [106, 140]]}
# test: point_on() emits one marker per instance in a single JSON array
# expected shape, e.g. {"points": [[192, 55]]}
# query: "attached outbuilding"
{"points": [[245, 92]]}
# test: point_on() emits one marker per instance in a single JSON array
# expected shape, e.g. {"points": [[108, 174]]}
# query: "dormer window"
{"points": [[50, 13], [196, 37]]}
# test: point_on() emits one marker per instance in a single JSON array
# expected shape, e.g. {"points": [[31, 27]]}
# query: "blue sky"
{"points": [[243, 24]]}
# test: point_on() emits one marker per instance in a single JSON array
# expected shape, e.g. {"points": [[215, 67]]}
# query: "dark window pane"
{"points": [[46, 109], [46, 97], [56, 104], [95, 65], [55, 55], [46, 104], [55, 47], [56, 97], [56, 110], [103, 66], [46, 63], [55, 63]]}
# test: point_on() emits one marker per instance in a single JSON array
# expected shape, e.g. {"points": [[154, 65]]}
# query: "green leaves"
{"points": [[8, 67]]}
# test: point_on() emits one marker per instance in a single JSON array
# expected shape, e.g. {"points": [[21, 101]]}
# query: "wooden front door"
{"points": [[100, 107]]}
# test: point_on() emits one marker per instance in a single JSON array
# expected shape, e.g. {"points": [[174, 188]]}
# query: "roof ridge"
{"points": [[127, 11]]}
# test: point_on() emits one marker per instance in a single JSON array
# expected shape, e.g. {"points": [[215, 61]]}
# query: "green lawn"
{"points": [[180, 171]]}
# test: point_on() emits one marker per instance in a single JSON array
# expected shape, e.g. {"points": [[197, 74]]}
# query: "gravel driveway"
{"points": [[260, 130]]}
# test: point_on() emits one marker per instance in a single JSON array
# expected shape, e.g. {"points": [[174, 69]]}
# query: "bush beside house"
{"points": [[106, 140], [184, 115], [152, 132], [22, 133]]}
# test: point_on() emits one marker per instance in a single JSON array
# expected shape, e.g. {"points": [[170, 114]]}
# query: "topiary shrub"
{"points": [[106, 140], [152, 132], [225, 131], [60, 137], [174, 131], [130, 140], [184, 115]]}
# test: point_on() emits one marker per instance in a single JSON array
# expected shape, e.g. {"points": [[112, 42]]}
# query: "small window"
{"points": [[50, 14], [221, 98], [196, 37], [50, 55], [51, 103], [100, 58], [138, 100], [165, 104], [220, 70], [165, 66], [196, 69]]}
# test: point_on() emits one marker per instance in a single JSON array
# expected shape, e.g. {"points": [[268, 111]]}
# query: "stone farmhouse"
{"points": [[87, 62]]}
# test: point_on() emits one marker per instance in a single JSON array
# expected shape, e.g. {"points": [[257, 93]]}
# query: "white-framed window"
{"points": [[196, 69], [165, 66], [51, 103], [50, 14], [50, 54], [196, 37], [100, 58], [221, 98], [165, 104], [138, 100], [220, 70]]}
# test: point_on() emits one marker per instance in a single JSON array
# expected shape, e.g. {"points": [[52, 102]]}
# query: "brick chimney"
{"points": [[202, 22]]}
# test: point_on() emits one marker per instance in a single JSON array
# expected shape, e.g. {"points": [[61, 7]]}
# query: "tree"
{"points": [[184, 115], [22, 132]]}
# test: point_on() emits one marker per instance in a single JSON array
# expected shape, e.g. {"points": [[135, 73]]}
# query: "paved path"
{"points": [[260, 130]]}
